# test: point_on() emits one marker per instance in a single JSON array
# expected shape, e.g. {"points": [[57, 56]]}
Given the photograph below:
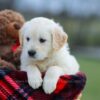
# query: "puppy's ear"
{"points": [[21, 37], [22, 31], [59, 38]]}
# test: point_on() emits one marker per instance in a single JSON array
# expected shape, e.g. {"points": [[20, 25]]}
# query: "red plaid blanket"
{"points": [[14, 86]]}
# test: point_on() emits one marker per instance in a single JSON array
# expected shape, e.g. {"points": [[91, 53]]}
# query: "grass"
{"points": [[91, 67]]}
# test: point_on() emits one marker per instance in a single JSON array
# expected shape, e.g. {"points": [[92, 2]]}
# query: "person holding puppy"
{"points": [[45, 49]]}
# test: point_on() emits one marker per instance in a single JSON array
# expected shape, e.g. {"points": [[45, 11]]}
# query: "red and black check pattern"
{"points": [[14, 86]]}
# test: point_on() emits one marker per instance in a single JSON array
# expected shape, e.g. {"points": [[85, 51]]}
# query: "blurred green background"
{"points": [[91, 67], [81, 21]]}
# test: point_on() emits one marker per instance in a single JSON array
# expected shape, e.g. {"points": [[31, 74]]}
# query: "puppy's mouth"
{"points": [[36, 58], [33, 57]]}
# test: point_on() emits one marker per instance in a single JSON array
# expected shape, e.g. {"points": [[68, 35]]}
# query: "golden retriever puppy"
{"points": [[45, 49]]}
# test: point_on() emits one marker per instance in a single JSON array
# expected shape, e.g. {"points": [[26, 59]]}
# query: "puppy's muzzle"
{"points": [[31, 53]]}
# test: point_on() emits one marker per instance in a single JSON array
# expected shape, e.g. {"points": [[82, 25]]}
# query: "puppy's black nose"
{"points": [[31, 53]]}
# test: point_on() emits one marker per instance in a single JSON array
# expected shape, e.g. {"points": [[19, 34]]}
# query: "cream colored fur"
{"points": [[52, 56]]}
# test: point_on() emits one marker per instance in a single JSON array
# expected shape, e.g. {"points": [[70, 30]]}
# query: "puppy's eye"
{"points": [[42, 40], [27, 38]]}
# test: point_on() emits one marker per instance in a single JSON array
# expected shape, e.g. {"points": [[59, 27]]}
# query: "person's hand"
{"points": [[79, 96]]}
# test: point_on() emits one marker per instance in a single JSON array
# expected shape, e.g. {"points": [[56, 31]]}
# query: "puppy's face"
{"points": [[37, 44], [39, 37]]}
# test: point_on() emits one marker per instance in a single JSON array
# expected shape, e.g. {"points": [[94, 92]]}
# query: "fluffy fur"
{"points": [[49, 42]]}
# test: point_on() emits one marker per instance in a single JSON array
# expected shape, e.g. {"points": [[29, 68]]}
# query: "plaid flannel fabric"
{"points": [[14, 86]]}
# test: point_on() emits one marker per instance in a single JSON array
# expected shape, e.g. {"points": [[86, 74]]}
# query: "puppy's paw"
{"points": [[35, 82], [49, 85]]}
